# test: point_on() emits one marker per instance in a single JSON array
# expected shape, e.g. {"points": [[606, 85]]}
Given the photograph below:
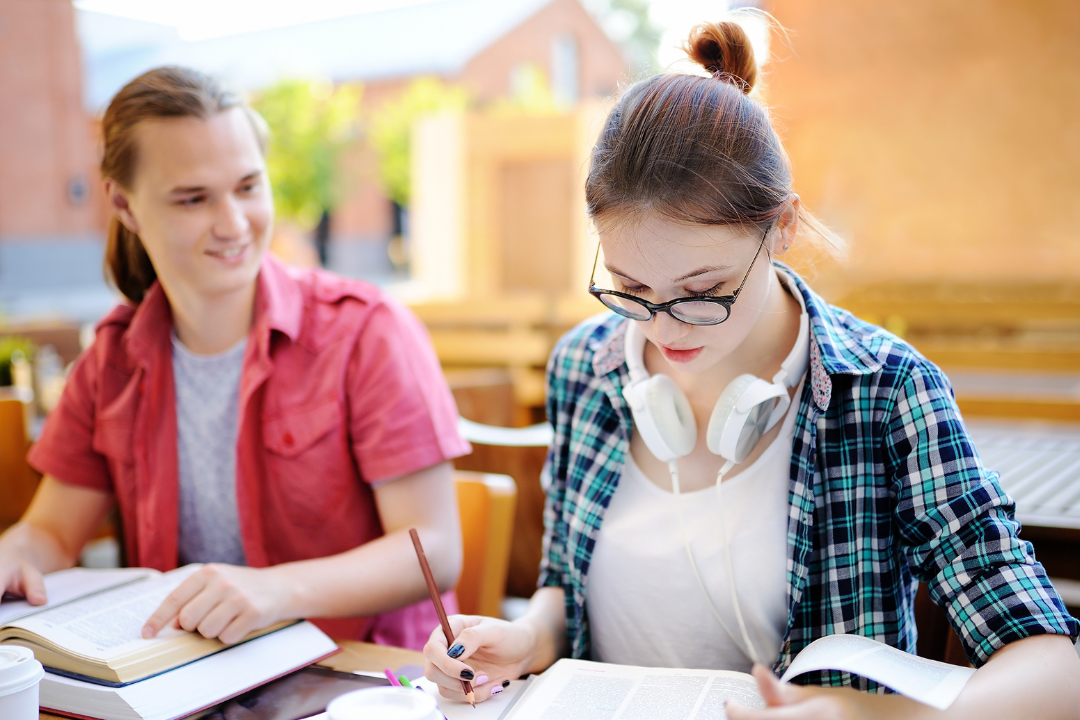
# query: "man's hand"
{"points": [[223, 601]]}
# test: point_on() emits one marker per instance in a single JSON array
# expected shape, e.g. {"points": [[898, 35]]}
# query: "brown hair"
{"points": [[164, 92], [695, 149]]}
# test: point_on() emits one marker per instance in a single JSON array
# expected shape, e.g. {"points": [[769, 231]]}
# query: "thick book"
{"points": [[192, 688], [91, 627], [586, 689]]}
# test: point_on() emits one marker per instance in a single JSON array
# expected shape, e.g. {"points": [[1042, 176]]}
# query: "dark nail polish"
{"points": [[506, 683], [455, 652], [467, 674]]}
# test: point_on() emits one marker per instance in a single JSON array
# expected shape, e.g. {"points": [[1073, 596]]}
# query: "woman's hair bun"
{"points": [[723, 49]]}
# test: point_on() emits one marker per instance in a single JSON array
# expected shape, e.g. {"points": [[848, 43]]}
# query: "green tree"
{"points": [[390, 129], [311, 125], [627, 22]]}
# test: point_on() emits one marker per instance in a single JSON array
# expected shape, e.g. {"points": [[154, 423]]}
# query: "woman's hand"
{"points": [[794, 702], [487, 652], [223, 601]]}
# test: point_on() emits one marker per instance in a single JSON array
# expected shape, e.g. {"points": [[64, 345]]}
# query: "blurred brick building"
{"points": [[50, 213], [59, 67]]}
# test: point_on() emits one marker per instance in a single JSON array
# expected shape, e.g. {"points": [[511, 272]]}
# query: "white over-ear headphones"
{"points": [[747, 409]]}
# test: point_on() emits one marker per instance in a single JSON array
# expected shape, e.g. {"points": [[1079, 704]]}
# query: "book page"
{"points": [[108, 624], [67, 585], [582, 690], [934, 683]]}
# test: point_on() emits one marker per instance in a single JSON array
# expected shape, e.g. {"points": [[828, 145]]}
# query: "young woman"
{"points": [[846, 471], [287, 428]]}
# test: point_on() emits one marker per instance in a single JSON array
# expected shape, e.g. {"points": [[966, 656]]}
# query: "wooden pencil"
{"points": [[436, 600]]}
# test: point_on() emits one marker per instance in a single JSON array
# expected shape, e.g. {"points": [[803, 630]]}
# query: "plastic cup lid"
{"points": [[18, 669], [385, 703]]}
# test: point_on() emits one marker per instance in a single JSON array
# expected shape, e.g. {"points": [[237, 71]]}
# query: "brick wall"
{"points": [[46, 141]]}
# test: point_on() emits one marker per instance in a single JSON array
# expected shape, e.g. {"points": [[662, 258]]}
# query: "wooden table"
{"points": [[353, 656]]}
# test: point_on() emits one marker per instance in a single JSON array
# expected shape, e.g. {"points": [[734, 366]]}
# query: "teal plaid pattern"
{"points": [[886, 489]]}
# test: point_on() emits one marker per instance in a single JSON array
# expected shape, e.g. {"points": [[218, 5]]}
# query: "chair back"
{"points": [[486, 503], [18, 480]]}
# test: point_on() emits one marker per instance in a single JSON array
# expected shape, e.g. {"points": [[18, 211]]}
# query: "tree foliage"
{"points": [[627, 22], [391, 127], [311, 126]]}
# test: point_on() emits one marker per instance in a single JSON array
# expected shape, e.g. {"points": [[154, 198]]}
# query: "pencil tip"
{"points": [[472, 699]]}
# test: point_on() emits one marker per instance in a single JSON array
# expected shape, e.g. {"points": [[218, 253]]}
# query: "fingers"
{"points": [[169, 609], [451, 661], [772, 691], [782, 701], [239, 628], [22, 579], [212, 616], [33, 585]]}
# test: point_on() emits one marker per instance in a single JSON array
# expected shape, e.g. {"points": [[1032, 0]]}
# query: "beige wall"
{"points": [[45, 139], [941, 136]]}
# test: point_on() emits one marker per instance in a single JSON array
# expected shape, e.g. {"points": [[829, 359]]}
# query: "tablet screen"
{"points": [[302, 694]]}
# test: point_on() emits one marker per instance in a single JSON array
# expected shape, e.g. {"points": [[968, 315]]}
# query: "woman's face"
{"points": [[200, 201], [659, 260]]}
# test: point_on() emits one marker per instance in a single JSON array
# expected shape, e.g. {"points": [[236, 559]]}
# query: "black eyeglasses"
{"points": [[690, 310]]}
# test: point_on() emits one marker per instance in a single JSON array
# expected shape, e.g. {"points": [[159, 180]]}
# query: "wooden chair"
{"points": [[18, 480], [486, 503]]}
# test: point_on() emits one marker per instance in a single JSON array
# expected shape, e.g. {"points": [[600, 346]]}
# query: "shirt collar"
{"points": [[279, 305]]}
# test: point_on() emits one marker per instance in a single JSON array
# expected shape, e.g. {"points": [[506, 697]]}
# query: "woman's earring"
{"points": [[785, 246]]}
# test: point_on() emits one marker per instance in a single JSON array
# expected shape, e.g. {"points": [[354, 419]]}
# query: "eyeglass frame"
{"points": [[725, 301]]}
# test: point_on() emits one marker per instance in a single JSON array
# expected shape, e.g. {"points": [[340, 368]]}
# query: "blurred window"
{"points": [[564, 70]]}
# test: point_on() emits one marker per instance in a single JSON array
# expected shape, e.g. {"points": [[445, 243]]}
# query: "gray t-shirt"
{"points": [[207, 415]]}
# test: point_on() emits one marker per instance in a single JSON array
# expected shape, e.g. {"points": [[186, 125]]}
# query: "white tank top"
{"points": [[644, 605]]}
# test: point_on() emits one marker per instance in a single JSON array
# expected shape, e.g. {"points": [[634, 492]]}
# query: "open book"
{"points": [[91, 627], [580, 689], [194, 687]]}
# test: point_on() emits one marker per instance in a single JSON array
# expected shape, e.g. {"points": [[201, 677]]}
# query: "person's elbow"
{"points": [[447, 570]]}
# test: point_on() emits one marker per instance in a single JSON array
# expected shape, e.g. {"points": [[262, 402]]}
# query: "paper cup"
{"points": [[20, 674], [384, 703]]}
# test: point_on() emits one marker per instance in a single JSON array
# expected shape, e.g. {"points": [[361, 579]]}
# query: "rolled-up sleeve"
{"points": [[402, 417], [65, 449], [554, 571], [957, 525]]}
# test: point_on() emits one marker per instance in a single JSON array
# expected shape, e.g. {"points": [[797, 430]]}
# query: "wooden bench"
{"points": [[514, 332], [995, 342]]}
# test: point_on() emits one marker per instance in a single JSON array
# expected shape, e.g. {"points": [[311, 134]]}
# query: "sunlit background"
{"points": [[438, 149]]}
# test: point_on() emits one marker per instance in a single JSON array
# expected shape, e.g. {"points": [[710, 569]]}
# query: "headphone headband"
{"points": [[798, 360]]}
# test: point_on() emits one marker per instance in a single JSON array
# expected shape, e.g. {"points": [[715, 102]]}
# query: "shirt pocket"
{"points": [[309, 465]]}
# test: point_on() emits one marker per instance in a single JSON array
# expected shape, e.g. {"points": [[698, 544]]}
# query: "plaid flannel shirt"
{"points": [[886, 489]]}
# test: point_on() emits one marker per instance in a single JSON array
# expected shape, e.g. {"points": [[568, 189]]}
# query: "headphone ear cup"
{"points": [[663, 417], [726, 425], [674, 416]]}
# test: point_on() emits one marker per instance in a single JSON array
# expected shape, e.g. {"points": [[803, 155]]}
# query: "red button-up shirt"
{"points": [[339, 388]]}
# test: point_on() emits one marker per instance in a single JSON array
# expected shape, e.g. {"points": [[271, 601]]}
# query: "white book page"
{"points": [[928, 681], [108, 624], [67, 585], [582, 690]]}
